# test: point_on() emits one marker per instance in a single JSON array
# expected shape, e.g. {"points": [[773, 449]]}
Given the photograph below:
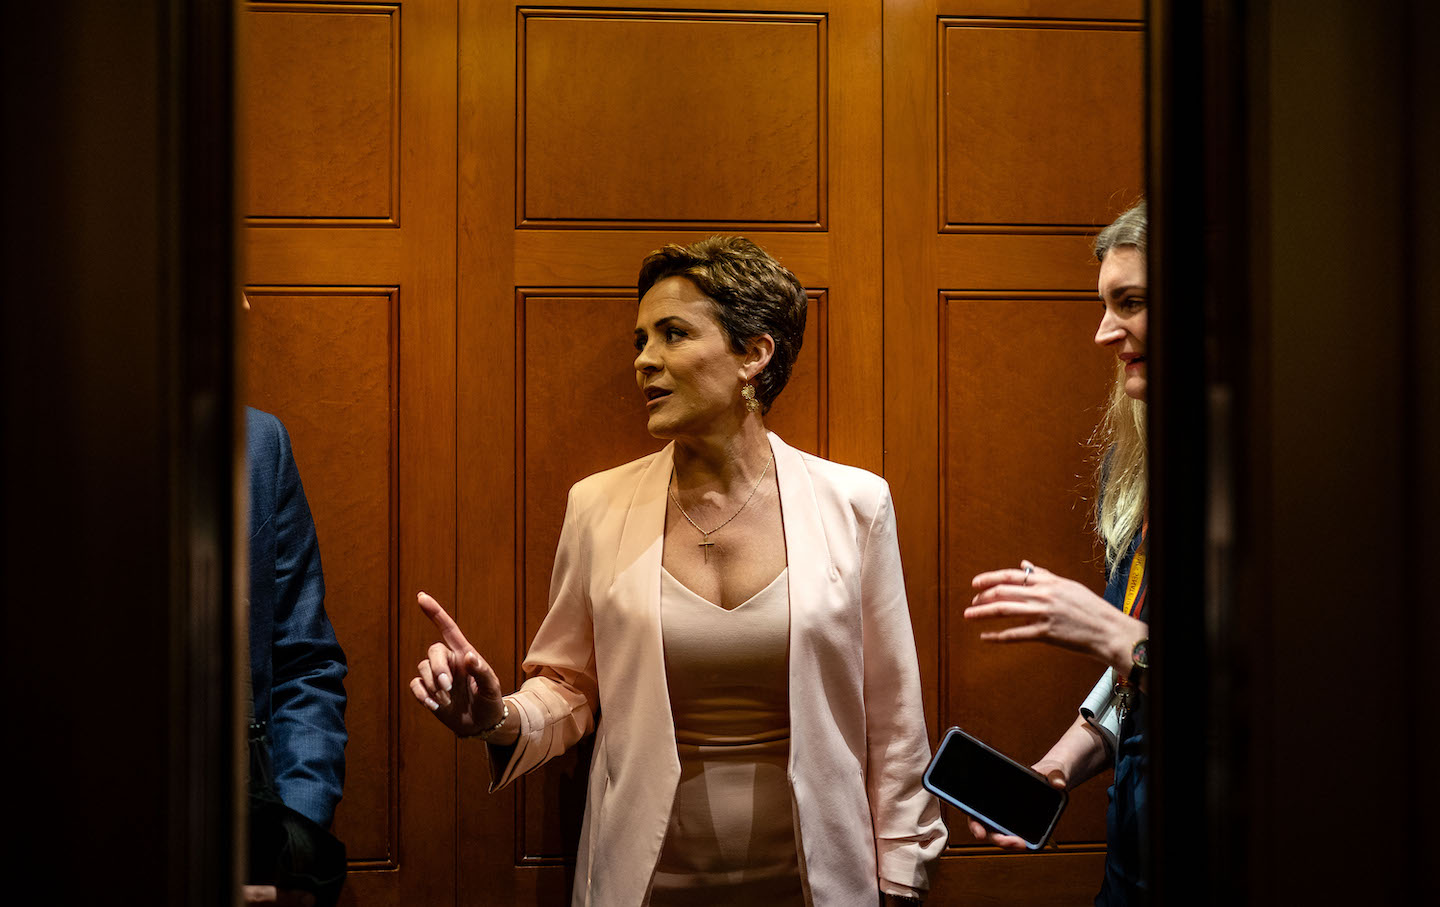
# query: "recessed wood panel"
{"points": [[582, 412], [1023, 385], [323, 360], [1049, 9], [1047, 879], [644, 119], [319, 108], [1040, 123]]}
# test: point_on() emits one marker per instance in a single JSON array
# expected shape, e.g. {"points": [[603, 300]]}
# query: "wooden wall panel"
{"points": [[319, 110], [1013, 131], [325, 358], [352, 343], [1021, 392], [634, 120], [946, 313], [591, 138], [1133, 10], [1040, 124]]}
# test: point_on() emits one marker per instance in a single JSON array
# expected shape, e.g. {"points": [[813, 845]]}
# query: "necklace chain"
{"points": [[705, 536]]}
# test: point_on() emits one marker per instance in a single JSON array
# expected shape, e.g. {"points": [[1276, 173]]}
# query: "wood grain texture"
{"points": [[323, 360], [1021, 393], [489, 523], [529, 200], [612, 258], [856, 372], [647, 119], [991, 379], [319, 109], [580, 413], [1036, 261], [407, 249], [518, 847], [1051, 879], [1040, 124], [1131, 10], [427, 419], [287, 257]]}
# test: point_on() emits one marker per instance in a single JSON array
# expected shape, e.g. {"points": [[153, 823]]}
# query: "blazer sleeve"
{"points": [[560, 698], [307, 724], [909, 832]]}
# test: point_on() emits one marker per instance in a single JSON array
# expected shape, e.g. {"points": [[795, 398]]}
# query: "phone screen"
{"points": [[994, 788]]}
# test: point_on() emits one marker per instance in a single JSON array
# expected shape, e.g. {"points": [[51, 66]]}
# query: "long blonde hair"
{"points": [[1121, 473]]}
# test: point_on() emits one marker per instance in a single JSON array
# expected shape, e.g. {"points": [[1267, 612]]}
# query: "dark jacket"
{"points": [[296, 665]]}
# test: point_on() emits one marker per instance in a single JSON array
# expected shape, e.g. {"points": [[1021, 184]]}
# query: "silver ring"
{"points": [[1029, 569]]}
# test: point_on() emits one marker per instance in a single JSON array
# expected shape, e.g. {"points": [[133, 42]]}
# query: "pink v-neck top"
{"points": [[732, 833]]}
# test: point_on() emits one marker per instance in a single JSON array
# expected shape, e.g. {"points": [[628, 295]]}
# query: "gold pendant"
{"points": [[706, 545]]}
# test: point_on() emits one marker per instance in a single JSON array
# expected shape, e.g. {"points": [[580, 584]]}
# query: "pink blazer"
{"points": [[858, 743]]}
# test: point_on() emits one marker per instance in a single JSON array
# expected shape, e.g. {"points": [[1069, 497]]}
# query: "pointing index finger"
{"points": [[449, 630]]}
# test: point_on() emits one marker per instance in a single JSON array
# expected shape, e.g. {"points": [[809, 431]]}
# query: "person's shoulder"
{"points": [[851, 482], [266, 437], [266, 444], [262, 427], [604, 484], [847, 494]]}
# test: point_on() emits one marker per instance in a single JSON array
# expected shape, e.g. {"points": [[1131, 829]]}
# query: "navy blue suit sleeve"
{"points": [[307, 697]]}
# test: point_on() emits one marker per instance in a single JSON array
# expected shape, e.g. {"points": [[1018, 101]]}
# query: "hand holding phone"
{"points": [[987, 835], [1019, 803]]}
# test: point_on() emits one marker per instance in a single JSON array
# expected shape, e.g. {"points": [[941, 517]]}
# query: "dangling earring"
{"points": [[748, 394]]}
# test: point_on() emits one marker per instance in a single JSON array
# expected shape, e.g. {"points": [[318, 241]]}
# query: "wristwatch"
{"points": [[1139, 662]]}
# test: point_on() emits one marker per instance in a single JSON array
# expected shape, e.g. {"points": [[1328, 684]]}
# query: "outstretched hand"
{"points": [[453, 681], [1055, 610]]}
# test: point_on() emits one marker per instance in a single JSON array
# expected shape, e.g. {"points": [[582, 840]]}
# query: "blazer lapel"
{"points": [[642, 537], [807, 551], [635, 589]]}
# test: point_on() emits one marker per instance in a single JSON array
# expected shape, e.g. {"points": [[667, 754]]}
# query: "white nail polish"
{"points": [[432, 704], [445, 682]]}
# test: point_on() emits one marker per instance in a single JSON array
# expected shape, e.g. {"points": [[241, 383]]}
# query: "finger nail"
{"points": [[445, 682], [431, 704]]}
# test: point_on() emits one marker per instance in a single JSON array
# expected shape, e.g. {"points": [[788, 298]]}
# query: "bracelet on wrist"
{"points": [[494, 729]]}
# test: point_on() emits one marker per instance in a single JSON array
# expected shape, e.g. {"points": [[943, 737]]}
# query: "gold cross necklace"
{"points": [[705, 544]]}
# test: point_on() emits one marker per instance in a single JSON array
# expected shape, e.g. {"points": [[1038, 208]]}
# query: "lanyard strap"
{"points": [[1136, 587]]}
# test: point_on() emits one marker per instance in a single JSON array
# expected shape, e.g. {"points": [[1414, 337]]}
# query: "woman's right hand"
{"points": [[453, 681], [1049, 768]]}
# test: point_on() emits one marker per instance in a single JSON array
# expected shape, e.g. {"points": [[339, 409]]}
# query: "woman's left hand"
{"points": [[1057, 611]]}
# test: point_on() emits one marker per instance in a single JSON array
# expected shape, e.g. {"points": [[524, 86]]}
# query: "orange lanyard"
{"points": [[1136, 587]]}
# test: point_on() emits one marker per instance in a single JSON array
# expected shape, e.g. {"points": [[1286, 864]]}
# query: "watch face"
{"points": [[1139, 655]]}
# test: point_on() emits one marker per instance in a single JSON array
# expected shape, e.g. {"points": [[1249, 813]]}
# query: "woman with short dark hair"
{"points": [[728, 616]]}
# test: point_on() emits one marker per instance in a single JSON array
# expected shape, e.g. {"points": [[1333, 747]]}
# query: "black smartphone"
{"points": [[1011, 798]]}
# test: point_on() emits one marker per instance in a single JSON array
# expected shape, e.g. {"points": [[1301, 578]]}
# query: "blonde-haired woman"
{"points": [[1065, 613]]}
